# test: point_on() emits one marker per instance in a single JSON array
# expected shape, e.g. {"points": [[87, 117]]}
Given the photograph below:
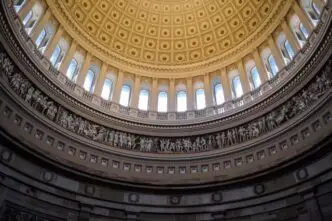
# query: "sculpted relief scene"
{"points": [[114, 138]]}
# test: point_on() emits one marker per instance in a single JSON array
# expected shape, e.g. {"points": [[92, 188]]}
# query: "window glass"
{"points": [[89, 80], [143, 100], [18, 5], [273, 66], [237, 87], [72, 70], [181, 100], [200, 99], [289, 49], [219, 94], [56, 55], [40, 38], [125, 95], [107, 87], [256, 80], [162, 101], [316, 9], [27, 18], [304, 31]]}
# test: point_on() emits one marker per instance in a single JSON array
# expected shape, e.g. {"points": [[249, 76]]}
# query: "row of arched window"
{"points": [[73, 69]]}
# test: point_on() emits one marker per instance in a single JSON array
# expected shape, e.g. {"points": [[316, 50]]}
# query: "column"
{"points": [[136, 90], [100, 79], [276, 53], [55, 40], [84, 70], [190, 97], [41, 24], [154, 94], [26, 8], [303, 17], [207, 88], [118, 87], [225, 84], [260, 67], [172, 96], [244, 77], [290, 37], [68, 57]]}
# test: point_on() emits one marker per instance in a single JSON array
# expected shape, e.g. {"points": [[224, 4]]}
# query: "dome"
{"points": [[169, 37], [171, 110]]}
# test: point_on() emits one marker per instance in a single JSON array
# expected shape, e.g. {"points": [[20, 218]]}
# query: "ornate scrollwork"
{"points": [[223, 139]]}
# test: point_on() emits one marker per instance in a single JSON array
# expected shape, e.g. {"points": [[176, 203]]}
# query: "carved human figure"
{"points": [[229, 138], [51, 111], [242, 133], [63, 119], [271, 121], [29, 94], [219, 142], [116, 139], [142, 144]]}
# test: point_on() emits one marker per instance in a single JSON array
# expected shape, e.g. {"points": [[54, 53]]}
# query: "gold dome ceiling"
{"points": [[167, 33]]}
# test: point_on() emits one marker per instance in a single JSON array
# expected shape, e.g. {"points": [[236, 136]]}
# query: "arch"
{"points": [[162, 101], [219, 94], [181, 101], [255, 78], [200, 99], [32, 17], [72, 70], [44, 37], [269, 62], [285, 48], [237, 90], [89, 80], [312, 10], [143, 99], [125, 95], [107, 89], [56, 56], [298, 29], [272, 65], [253, 74]]}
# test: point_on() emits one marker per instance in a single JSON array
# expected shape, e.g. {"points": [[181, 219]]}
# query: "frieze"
{"points": [[223, 139]]}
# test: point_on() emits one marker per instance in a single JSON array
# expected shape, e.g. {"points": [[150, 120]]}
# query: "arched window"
{"points": [[89, 81], [72, 70], [200, 99], [143, 99], [255, 78], [27, 18], [107, 88], [181, 101], [56, 56], [162, 101], [125, 95], [289, 50], [303, 30], [237, 87], [219, 94], [18, 5], [272, 66], [41, 38]]}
